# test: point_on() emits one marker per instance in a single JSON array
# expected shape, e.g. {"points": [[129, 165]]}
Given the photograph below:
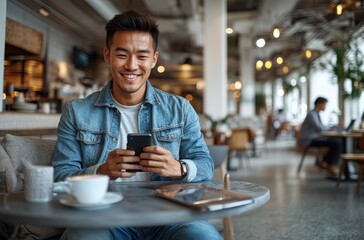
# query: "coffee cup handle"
{"points": [[62, 187], [67, 187]]}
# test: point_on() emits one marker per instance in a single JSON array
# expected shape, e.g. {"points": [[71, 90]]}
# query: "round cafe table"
{"points": [[138, 208]]}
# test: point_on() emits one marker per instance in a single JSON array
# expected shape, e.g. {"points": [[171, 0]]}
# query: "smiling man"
{"points": [[92, 133]]}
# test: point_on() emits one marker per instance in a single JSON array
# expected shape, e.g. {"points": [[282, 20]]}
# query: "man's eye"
{"points": [[121, 56], [143, 57]]}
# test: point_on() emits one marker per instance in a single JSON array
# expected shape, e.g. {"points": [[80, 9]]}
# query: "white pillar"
{"points": [[215, 58], [2, 49], [247, 76]]}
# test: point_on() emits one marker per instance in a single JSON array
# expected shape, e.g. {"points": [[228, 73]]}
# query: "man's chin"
{"points": [[132, 89], [129, 90]]}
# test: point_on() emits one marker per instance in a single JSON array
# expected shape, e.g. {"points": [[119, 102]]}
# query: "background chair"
{"points": [[319, 153], [14, 152], [357, 158], [239, 143], [219, 153]]}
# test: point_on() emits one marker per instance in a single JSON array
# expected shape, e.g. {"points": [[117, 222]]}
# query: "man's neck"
{"points": [[127, 99]]}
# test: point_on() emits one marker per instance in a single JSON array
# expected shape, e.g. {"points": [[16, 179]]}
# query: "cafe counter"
{"points": [[29, 124]]}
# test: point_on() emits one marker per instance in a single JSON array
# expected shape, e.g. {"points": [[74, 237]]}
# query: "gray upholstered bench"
{"points": [[14, 151]]}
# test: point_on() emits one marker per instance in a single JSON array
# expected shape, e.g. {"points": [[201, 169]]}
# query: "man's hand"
{"points": [[117, 162], [160, 161]]}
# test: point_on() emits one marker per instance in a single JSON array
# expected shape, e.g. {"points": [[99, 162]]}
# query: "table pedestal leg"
{"points": [[348, 148], [87, 234]]}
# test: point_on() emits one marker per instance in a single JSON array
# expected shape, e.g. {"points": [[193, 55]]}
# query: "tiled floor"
{"points": [[304, 206]]}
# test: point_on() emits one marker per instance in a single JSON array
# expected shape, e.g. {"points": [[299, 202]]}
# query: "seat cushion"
{"points": [[23, 150], [32, 232], [7, 166]]}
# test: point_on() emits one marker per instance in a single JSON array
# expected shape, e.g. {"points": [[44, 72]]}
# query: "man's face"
{"points": [[322, 106], [131, 58]]}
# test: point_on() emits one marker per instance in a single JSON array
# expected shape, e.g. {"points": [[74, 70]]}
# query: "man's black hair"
{"points": [[131, 21], [320, 100]]}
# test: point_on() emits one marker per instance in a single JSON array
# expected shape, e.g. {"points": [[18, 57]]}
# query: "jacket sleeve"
{"points": [[67, 158], [194, 150]]}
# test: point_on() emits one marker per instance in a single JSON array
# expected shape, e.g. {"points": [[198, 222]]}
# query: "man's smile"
{"points": [[130, 76]]}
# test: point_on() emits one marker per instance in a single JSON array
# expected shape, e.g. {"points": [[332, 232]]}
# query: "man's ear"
{"points": [[106, 56], [155, 58]]}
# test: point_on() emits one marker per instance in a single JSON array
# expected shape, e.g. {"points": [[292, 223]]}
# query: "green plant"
{"points": [[346, 65], [287, 87], [216, 122], [356, 74], [260, 102]]}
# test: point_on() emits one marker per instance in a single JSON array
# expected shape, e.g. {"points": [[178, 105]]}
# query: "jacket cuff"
{"points": [[191, 170], [93, 169]]}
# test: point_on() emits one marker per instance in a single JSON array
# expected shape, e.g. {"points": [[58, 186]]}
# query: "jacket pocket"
{"points": [[91, 144], [170, 139]]}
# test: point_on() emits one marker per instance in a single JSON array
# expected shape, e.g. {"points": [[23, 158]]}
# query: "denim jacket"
{"points": [[89, 129]]}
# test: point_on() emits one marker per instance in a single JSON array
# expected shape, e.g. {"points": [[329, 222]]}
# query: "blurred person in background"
{"points": [[310, 136]]}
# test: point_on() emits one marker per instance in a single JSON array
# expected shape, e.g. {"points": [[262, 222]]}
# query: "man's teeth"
{"points": [[131, 76]]}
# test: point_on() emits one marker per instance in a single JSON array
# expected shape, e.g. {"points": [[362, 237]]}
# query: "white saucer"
{"points": [[25, 107], [110, 198]]}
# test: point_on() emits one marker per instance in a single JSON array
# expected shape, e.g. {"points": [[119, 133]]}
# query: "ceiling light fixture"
{"points": [[276, 33], [279, 60], [308, 54], [161, 69], [285, 69], [237, 85], [280, 92], [303, 79], [231, 87], [268, 64], [339, 9], [259, 65], [43, 12], [229, 30], [189, 97], [260, 42], [237, 95], [200, 85]]}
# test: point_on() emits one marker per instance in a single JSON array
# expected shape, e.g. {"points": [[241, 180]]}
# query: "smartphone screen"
{"points": [[136, 142]]}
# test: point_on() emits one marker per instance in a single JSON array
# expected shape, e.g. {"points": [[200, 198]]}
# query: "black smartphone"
{"points": [[136, 142]]}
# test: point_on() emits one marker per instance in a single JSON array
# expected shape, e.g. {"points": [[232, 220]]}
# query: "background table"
{"points": [[139, 208]]}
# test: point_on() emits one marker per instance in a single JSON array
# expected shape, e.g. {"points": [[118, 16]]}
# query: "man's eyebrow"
{"points": [[144, 51], [121, 49], [125, 50]]}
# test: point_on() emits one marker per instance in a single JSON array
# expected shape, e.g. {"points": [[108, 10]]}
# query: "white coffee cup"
{"points": [[38, 183], [20, 98], [88, 189], [46, 107]]}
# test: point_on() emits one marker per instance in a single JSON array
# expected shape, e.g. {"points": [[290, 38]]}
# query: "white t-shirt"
{"points": [[129, 124]]}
